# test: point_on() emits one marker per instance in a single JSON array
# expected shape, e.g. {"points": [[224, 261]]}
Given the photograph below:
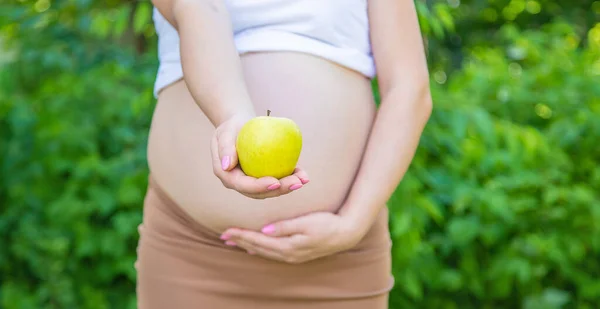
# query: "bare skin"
{"points": [[333, 107], [354, 157]]}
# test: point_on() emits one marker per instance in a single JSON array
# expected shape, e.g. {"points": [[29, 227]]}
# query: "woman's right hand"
{"points": [[216, 81], [227, 169]]}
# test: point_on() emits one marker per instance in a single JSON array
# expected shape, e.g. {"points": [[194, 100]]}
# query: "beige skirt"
{"points": [[183, 265]]}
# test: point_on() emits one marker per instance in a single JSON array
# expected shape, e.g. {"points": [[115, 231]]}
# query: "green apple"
{"points": [[269, 146]]}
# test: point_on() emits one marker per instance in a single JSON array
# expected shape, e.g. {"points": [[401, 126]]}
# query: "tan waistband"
{"points": [[213, 266]]}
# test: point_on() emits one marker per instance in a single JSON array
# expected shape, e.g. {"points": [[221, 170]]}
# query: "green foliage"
{"points": [[498, 210], [75, 102], [501, 206], [71, 239], [475, 23]]}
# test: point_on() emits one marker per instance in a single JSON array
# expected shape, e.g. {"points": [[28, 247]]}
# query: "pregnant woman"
{"points": [[213, 237]]}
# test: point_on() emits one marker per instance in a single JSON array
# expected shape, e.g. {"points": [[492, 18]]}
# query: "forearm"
{"points": [[211, 64], [391, 147]]}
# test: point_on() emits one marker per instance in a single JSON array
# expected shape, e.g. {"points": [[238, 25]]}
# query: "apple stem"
{"points": [[268, 112]]}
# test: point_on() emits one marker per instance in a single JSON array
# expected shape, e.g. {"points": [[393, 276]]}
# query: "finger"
{"points": [[254, 250], [265, 187], [227, 151], [237, 180], [261, 188], [216, 160], [287, 185], [269, 194], [248, 246], [258, 240], [290, 183], [285, 228], [290, 258], [302, 175], [219, 164], [292, 249]]}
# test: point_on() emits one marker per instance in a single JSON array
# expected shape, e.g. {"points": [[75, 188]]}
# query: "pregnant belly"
{"points": [[333, 107]]}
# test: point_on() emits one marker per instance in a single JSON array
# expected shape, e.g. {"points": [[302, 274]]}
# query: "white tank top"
{"points": [[337, 30]]}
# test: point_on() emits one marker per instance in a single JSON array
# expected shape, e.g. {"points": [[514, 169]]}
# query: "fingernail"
{"points": [[230, 243], [251, 252], [225, 236], [225, 162], [304, 180], [268, 229], [274, 186], [296, 186]]}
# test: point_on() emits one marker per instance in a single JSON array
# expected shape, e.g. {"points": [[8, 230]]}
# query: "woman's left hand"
{"points": [[297, 240]]}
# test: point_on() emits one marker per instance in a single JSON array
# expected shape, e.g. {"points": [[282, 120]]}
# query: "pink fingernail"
{"points": [[304, 180], [296, 186], [268, 229], [225, 162], [225, 236], [274, 186], [251, 252], [230, 243]]}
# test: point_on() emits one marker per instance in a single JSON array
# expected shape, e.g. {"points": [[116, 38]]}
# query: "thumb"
{"points": [[227, 152], [284, 228]]}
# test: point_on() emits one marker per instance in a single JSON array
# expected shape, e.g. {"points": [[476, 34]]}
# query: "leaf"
{"points": [[143, 14], [550, 298], [451, 279], [463, 230], [101, 25], [401, 224], [431, 208], [121, 20], [411, 284], [442, 12]]}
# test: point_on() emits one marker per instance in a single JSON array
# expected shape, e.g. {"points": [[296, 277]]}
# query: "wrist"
{"points": [[359, 216], [239, 117], [242, 116], [354, 228]]}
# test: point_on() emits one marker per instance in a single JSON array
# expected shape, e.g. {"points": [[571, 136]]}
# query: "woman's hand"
{"points": [[216, 81], [298, 240], [226, 168]]}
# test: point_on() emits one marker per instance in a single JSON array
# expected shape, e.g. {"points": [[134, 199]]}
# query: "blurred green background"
{"points": [[500, 209]]}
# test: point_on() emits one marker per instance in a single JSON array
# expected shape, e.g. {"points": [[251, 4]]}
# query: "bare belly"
{"points": [[333, 107]]}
